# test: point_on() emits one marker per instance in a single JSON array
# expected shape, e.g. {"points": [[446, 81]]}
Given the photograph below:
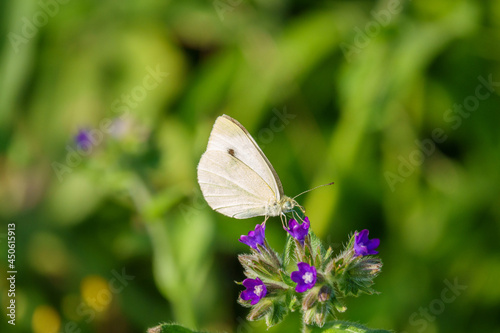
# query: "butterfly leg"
{"points": [[283, 221], [297, 216], [302, 209], [265, 220]]}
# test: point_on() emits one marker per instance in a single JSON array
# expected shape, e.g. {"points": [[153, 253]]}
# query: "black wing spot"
{"points": [[231, 151]]}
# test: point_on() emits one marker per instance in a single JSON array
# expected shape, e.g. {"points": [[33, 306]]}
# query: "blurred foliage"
{"points": [[118, 238]]}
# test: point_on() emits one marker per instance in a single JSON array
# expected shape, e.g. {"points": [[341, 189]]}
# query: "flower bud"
{"points": [[260, 310], [310, 299], [358, 276], [324, 293]]}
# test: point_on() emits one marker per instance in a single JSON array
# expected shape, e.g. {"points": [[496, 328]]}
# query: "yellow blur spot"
{"points": [[95, 292], [45, 320]]}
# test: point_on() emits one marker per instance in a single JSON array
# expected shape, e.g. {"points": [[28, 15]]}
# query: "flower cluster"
{"points": [[306, 277]]}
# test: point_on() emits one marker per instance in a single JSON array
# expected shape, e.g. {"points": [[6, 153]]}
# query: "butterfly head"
{"points": [[287, 205]]}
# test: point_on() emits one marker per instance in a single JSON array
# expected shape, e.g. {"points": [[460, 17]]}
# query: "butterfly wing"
{"points": [[235, 176], [231, 187]]}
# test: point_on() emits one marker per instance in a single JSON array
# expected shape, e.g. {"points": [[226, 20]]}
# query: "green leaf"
{"points": [[170, 328], [161, 203], [338, 326]]}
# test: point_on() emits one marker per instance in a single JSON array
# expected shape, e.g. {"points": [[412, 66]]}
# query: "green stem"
{"points": [[183, 309], [306, 328]]}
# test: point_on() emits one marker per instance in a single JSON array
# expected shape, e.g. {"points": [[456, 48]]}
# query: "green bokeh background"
{"points": [[361, 85]]}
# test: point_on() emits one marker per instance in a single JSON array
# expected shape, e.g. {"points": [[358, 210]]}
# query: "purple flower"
{"points": [[82, 139], [298, 231], [364, 246], [255, 291], [254, 237], [305, 277]]}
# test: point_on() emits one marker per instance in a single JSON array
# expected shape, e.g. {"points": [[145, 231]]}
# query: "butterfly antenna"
{"points": [[313, 189]]}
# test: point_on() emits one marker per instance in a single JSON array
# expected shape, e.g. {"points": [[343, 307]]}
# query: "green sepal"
{"points": [[310, 298], [317, 260], [328, 254], [293, 302], [253, 266], [278, 312], [261, 309], [244, 303], [329, 266], [288, 253], [316, 244], [269, 254], [286, 278], [358, 276]]}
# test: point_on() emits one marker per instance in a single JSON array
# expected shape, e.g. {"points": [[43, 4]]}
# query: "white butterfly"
{"points": [[235, 176]]}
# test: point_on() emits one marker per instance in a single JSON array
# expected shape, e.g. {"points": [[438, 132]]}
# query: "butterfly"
{"points": [[237, 179], [235, 176]]}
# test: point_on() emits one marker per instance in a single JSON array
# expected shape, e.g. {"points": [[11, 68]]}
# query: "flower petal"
{"points": [[373, 244], [253, 285], [363, 245], [255, 237], [296, 276], [300, 288], [305, 277]]}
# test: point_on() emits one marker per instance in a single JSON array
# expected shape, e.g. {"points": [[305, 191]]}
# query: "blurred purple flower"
{"points": [[364, 246], [83, 139], [305, 277], [254, 237], [255, 291], [298, 231]]}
